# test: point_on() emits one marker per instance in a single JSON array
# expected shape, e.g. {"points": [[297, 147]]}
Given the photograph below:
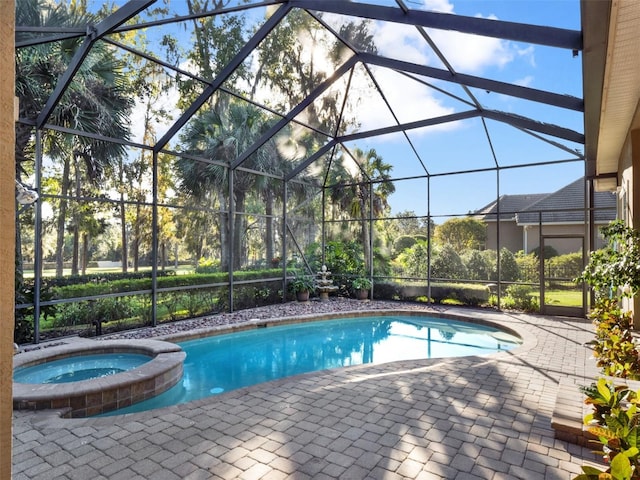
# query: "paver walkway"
{"points": [[486, 417]]}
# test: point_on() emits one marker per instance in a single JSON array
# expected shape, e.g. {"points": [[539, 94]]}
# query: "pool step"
{"points": [[569, 413]]}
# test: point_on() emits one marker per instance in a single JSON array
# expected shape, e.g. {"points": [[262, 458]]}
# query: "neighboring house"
{"points": [[560, 214]]}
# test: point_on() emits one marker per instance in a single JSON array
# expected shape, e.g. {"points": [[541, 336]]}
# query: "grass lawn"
{"points": [[563, 298]]}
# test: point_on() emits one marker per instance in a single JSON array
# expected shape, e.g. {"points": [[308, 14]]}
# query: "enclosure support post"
{"points": [[323, 243], [154, 241], [370, 227], [590, 216], [591, 239], [498, 270], [429, 239], [541, 262], [284, 240], [37, 247], [231, 245]]}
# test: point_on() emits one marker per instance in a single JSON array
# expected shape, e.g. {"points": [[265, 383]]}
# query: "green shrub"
{"points": [[252, 296], [567, 266], [130, 311], [97, 278], [402, 243], [614, 269], [464, 293], [24, 296], [388, 291], [478, 265], [447, 264], [140, 284], [102, 310], [520, 297], [615, 421], [614, 347], [509, 270], [549, 252], [412, 262], [529, 267], [208, 266]]}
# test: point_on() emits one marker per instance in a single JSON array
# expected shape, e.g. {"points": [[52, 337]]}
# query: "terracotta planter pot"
{"points": [[302, 296], [362, 294]]}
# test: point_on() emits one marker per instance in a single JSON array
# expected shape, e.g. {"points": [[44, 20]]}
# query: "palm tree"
{"points": [[221, 138], [354, 194], [97, 100]]}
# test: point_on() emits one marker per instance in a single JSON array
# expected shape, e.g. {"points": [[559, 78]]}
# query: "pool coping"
{"points": [[92, 397], [479, 316], [472, 317]]}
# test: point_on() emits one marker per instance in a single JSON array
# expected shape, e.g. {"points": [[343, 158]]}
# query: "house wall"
{"points": [[7, 234], [562, 245], [629, 195], [513, 238], [510, 236]]}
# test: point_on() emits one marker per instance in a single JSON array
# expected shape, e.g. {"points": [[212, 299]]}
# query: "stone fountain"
{"points": [[324, 285]]}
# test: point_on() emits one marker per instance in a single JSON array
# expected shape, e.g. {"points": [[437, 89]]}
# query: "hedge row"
{"points": [[90, 289], [133, 311], [111, 314], [468, 294]]}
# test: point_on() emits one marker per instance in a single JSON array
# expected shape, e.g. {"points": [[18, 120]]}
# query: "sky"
{"points": [[460, 146], [463, 145]]}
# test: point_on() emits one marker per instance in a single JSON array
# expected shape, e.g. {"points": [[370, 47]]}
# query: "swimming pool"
{"points": [[86, 378], [227, 362], [83, 367]]}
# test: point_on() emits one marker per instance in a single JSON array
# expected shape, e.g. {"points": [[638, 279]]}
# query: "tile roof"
{"points": [[510, 205], [562, 206]]}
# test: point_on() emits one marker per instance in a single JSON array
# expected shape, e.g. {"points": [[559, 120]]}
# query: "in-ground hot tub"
{"points": [[109, 384]]}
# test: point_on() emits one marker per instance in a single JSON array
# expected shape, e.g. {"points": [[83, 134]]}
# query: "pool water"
{"points": [[81, 367], [227, 362]]}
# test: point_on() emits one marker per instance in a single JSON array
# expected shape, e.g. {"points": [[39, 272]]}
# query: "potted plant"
{"points": [[302, 286], [361, 287]]}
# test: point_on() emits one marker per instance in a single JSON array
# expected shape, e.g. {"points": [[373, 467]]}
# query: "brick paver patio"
{"points": [[486, 417]]}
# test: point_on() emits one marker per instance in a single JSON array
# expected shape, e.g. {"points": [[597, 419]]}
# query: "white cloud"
{"points": [[525, 81], [472, 53], [402, 42], [466, 53], [442, 6], [410, 100], [528, 54]]}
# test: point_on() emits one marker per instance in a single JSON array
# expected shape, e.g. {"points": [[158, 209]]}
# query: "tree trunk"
{"points": [[223, 231], [75, 257], [85, 252], [366, 237], [366, 246], [135, 242], [123, 224], [239, 254], [199, 247], [62, 214], [123, 237], [269, 226], [75, 261]]}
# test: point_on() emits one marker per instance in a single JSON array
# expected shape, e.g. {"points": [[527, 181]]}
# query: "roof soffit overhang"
{"points": [[611, 73]]}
